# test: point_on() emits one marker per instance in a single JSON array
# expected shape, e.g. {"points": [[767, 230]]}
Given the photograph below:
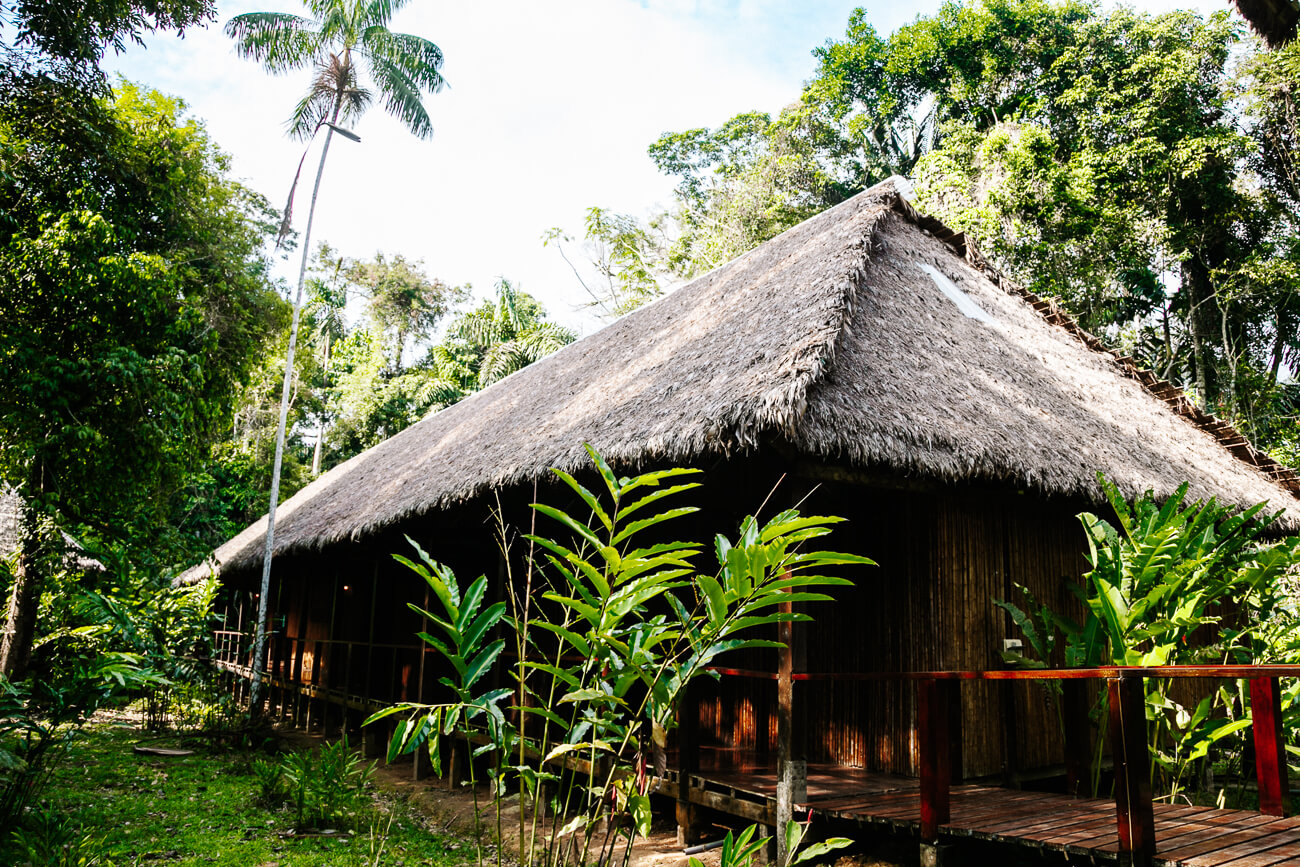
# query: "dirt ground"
{"points": [[451, 810]]}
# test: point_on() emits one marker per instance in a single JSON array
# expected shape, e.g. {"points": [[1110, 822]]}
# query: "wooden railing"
{"points": [[940, 738], [305, 664]]}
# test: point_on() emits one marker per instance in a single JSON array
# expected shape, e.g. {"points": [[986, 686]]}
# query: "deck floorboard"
{"points": [[1185, 836]]}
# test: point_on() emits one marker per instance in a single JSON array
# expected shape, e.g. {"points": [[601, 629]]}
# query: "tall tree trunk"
{"points": [[1200, 322], [24, 597], [257, 691], [320, 428]]}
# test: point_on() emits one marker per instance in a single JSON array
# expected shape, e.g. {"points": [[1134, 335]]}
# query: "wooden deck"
{"points": [[1186, 836]]}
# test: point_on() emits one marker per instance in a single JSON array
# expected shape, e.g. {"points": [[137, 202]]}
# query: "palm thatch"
{"points": [[831, 339], [1275, 20]]}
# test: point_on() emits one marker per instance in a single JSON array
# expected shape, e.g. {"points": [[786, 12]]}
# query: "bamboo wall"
{"points": [[943, 557], [944, 554]]}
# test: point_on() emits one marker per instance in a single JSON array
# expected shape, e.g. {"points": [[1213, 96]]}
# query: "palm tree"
{"points": [[508, 335], [341, 35]]}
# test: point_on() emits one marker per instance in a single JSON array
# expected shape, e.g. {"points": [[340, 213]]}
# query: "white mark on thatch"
{"points": [[955, 295]]}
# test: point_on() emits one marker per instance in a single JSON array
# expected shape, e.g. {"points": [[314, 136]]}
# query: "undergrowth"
{"points": [[107, 806]]}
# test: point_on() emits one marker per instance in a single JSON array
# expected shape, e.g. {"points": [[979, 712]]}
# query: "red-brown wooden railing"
{"points": [[939, 734]]}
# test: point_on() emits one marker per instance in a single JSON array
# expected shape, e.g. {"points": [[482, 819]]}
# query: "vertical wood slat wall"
{"points": [[944, 555], [943, 559]]}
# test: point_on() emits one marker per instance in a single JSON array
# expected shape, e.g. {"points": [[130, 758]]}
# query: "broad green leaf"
{"points": [[480, 664], [587, 497], [639, 807], [635, 527], [653, 497], [577, 527], [714, 600]]}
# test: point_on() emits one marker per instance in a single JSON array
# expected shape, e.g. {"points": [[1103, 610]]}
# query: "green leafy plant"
{"points": [[53, 840], [622, 623], [326, 787], [740, 850], [40, 717], [1174, 583]]}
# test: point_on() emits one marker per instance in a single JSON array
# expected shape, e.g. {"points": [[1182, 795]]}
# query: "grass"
{"points": [[204, 810]]}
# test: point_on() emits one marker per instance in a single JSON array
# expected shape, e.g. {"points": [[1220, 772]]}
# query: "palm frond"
{"points": [[438, 394], [545, 339], [401, 95], [308, 114], [377, 12], [507, 315], [335, 83], [277, 40], [417, 57], [501, 361], [339, 79], [337, 21], [476, 328]]}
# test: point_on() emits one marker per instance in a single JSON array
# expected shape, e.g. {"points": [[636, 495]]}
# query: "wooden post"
{"points": [[1128, 733], [688, 732], [932, 716], [366, 679], [423, 764], [299, 648], [1078, 736], [329, 679], [956, 749], [1270, 749], [791, 769]]}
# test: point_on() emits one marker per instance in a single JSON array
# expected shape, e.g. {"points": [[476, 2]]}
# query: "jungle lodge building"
{"points": [[870, 359]]}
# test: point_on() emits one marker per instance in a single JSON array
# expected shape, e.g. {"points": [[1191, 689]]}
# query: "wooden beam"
{"points": [[423, 764], [784, 732], [1270, 749], [688, 727], [1134, 813], [936, 770], [1078, 735]]}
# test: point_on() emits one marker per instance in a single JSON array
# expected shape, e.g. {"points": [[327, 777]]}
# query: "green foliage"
{"points": [[362, 394], [496, 339], [622, 623], [80, 32], [748, 181], [1176, 583], [743, 849], [628, 258], [52, 840], [327, 787], [137, 291], [404, 303], [167, 629], [39, 719], [202, 810]]}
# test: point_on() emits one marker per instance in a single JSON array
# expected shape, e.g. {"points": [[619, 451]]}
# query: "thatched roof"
{"points": [[832, 339], [1275, 20]]}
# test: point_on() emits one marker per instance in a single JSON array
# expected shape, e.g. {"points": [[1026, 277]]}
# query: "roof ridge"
{"points": [[1164, 391]]}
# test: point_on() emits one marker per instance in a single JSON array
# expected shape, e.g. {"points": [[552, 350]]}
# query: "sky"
{"points": [[549, 109]]}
